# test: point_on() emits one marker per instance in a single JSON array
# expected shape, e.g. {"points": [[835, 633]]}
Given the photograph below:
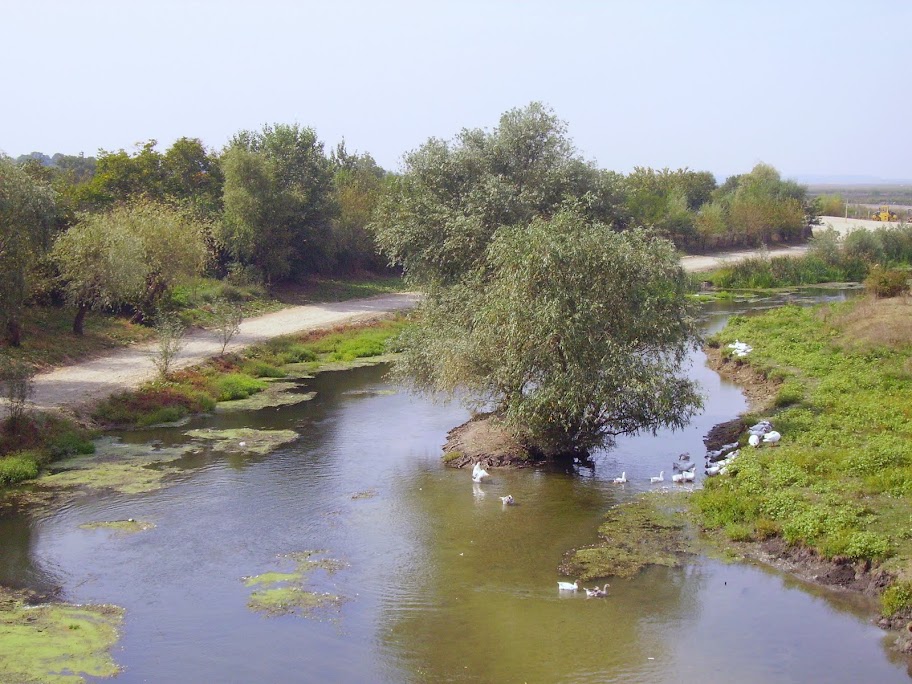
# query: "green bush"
{"points": [[896, 598], [261, 369], [886, 282], [237, 386], [18, 467]]}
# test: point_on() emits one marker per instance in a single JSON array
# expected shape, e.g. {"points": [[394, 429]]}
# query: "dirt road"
{"points": [[90, 381]]}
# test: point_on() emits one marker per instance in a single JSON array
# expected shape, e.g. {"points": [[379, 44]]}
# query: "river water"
{"points": [[441, 582]]}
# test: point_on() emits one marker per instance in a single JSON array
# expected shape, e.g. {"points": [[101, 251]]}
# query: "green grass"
{"points": [[841, 480], [18, 467], [238, 376], [33, 441]]}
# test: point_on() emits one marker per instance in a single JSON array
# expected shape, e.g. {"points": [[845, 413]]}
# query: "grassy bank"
{"points": [[840, 482], [829, 259], [48, 340], [30, 442], [239, 376]]}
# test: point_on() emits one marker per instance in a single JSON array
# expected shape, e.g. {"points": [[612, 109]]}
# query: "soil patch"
{"points": [[484, 439], [759, 390]]}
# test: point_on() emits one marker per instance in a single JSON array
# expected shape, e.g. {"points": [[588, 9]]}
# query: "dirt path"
{"points": [[86, 382]]}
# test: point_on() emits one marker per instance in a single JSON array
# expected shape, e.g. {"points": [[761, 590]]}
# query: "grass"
{"points": [[841, 480], [28, 444], [239, 376], [48, 341], [829, 259]]}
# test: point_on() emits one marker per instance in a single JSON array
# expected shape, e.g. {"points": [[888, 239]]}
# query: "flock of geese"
{"points": [[716, 463]]}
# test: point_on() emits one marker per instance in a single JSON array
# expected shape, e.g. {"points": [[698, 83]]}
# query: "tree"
{"points": [[227, 318], [278, 201], [101, 265], [130, 254], [575, 332], [27, 216], [170, 332], [437, 219], [357, 188]]}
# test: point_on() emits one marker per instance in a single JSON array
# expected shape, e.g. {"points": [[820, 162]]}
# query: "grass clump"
{"points": [[840, 481], [896, 598], [237, 386], [18, 467], [33, 441], [634, 535]]}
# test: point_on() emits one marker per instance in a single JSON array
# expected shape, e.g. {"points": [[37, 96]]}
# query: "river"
{"points": [[440, 582]]}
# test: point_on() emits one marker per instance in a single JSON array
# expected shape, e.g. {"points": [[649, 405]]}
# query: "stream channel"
{"points": [[440, 582]]}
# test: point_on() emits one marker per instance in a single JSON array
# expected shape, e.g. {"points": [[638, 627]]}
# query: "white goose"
{"points": [[568, 586], [660, 478], [479, 473], [508, 500], [754, 440], [771, 437], [622, 479], [686, 476], [595, 592]]}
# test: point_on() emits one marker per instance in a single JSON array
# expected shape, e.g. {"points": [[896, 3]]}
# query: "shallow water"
{"points": [[442, 583]]}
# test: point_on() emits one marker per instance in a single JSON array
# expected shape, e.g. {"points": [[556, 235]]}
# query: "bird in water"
{"points": [[686, 476], [508, 500], [660, 478], [479, 473], [622, 479], [595, 592], [567, 586]]}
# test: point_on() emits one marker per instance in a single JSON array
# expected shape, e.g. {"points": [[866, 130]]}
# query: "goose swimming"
{"points": [[508, 500], [595, 592], [567, 586], [622, 479], [660, 478]]}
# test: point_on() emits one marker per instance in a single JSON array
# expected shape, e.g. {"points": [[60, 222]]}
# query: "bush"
{"points": [[18, 467], [237, 386], [896, 598], [887, 282]]}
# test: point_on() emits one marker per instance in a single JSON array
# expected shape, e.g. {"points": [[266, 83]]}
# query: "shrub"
{"points": [[896, 598], [237, 386], [16, 385], [886, 282], [261, 369], [18, 467]]}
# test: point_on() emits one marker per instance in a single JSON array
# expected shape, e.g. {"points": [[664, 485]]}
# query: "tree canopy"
{"points": [[575, 330]]}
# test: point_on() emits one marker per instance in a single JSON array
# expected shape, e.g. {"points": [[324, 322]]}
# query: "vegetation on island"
{"points": [[574, 330], [840, 480]]}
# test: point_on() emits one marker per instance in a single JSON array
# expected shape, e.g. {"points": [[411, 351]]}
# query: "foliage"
{"points": [[237, 386], [840, 480], [18, 467], [27, 215], [16, 386], [896, 598], [576, 333], [437, 220], [887, 282], [357, 187], [170, 333], [278, 201], [227, 318]]}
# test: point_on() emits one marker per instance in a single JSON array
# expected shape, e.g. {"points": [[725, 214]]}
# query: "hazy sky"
{"points": [[810, 87]]}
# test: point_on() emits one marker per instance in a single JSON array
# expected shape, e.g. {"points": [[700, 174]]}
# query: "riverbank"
{"points": [[831, 502]]}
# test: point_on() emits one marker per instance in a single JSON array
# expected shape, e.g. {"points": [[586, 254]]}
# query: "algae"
{"points": [[308, 369], [647, 531], [244, 440], [121, 527], [55, 642], [275, 395], [366, 494], [286, 592], [123, 467]]}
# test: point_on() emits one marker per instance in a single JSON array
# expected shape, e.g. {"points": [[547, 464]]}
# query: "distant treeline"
{"points": [[275, 205]]}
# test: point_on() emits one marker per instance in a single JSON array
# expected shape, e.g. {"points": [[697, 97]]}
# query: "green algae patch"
{"points": [[648, 531], [122, 467], [288, 600], [268, 578], [55, 642], [244, 440], [285, 593], [120, 527], [275, 395]]}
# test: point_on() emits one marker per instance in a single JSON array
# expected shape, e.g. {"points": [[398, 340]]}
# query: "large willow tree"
{"points": [[574, 331]]}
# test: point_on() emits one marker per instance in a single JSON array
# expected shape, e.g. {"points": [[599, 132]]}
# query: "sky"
{"points": [[810, 87]]}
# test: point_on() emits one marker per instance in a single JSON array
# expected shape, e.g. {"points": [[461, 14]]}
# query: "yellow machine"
{"points": [[884, 214]]}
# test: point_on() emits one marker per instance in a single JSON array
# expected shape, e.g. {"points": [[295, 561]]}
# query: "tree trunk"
{"points": [[80, 319], [13, 332]]}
